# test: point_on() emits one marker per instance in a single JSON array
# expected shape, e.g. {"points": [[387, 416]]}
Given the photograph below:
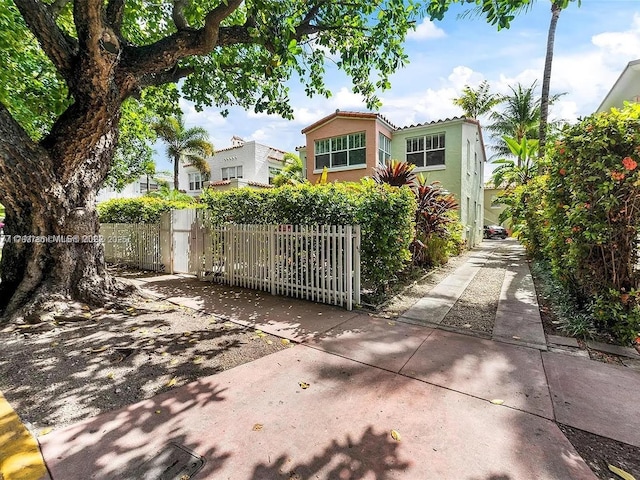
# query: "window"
{"points": [[468, 157], [345, 151], [231, 172], [273, 171], [475, 162], [384, 149], [195, 181], [426, 151]]}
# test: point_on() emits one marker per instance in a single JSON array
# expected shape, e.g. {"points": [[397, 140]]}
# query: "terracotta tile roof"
{"points": [[220, 183], [258, 184], [343, 114]]}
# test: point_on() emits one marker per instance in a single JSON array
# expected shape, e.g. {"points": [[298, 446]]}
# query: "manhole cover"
{"points": [[173, 462]]}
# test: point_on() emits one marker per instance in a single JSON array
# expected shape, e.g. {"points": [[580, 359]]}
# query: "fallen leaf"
{"points": [[174, 361], [285, 341], [172, 382], [55, 344], [44, 431], [193, 340], [186, 334], [86, 315], [304, 385], [497, 401], [131, 309], [198, 360], [395, 435], [100, 349], [111, 375], [621, 473], [257, 427], [269, 342], [228, 324], [158, 411], [391, 323], [164, 354], [515, 337]]}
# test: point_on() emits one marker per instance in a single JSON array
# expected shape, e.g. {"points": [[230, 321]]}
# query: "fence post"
{"points": [[272, 258], [356, 273], [348, 268]]}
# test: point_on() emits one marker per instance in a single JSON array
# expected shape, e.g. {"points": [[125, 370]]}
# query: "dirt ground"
{"points": [[59, 373]]}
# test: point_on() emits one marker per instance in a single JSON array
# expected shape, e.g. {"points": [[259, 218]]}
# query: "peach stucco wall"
{"points": [[343, 126]]}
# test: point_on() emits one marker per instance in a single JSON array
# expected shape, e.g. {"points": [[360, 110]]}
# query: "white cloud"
{"points": [[462, 76], [427, 30], [621, 43]]}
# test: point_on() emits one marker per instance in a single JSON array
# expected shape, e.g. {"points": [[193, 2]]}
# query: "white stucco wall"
{"points": [[254, 158]]}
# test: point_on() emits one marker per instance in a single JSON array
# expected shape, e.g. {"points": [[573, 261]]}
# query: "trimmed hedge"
{"points": [[138, 210], [385, 214]]}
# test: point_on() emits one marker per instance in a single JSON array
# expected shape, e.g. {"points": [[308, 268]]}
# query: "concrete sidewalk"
{"points": [[464, 407]]}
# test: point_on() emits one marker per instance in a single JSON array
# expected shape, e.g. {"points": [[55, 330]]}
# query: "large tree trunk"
{"points": [[53, 255], [546, 80]]}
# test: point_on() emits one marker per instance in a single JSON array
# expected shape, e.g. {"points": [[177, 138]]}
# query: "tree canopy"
{"points": [[76, 74]]}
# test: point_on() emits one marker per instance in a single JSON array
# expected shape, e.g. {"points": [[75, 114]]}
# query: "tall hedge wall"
{"points": [[385, 214]]}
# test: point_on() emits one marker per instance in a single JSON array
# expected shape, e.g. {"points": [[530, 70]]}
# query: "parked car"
{"points": [[495, 231]]}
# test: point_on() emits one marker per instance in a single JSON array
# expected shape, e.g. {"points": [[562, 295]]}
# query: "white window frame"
{"points": [[384, 149], [343, 144], [195, 181], [424, 145], [229, 173]]}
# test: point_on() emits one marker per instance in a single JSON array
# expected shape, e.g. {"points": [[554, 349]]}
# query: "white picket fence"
{"points": [[134, 245], [318, 263]]}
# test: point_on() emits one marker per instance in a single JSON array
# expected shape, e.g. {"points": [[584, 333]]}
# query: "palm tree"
{"points": [[184, 145], [556, 7], [291, 173], [173, 195], [519, 118], [510, 174], [477, 102]]}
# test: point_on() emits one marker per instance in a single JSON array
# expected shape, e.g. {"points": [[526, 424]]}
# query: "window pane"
{"points": [[416, 158], [356, 140], [435, 157], [225, 174], [339, 159], [322, 161], [239, 172], [357, 157]]}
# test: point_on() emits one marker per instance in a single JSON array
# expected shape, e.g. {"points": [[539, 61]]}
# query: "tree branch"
{"points": [[87, 15], [168, 76], [115, 14], [54, 42], [177, 14], [164, 54], [20, 157]]}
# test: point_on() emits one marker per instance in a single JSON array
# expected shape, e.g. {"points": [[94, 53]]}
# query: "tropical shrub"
{"points": [[385, 214], [138, 210], [396, 174], [592, 217], [438, 231]]}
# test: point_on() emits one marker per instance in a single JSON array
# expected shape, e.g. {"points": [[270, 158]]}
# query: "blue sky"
{"points": [[593, 44]]}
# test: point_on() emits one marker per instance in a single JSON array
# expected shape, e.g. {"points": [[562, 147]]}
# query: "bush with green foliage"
{"points": [[138, 210], [385, 214], [583, 217]]}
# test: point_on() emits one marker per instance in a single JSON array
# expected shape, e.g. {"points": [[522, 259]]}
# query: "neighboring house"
{"points": [[243, 164], [492, 207], [351, 144], [626, 88], [135, 189]]}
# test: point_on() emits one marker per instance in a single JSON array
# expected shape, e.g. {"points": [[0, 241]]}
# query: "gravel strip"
{"points": [[405, 300], [59, 373], [476, 309]]}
